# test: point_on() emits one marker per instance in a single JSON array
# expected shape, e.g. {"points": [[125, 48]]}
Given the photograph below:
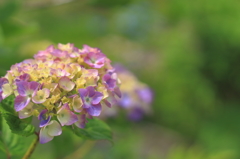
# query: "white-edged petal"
{"points": [[44, 137], [54, 128]]}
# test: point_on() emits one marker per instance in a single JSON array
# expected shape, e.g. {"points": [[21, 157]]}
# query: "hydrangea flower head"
{"points": [[136, 96], [61, 86]]}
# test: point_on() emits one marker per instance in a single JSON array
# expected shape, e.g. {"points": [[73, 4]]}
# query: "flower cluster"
{"points": [[61, 85], [136, 96]]}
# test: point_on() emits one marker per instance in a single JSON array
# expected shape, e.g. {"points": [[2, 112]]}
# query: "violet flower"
{"points": [[91, 100]]}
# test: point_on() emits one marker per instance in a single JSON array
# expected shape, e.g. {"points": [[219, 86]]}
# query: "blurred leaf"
{"points": [[8, 10], [108, 3], [11, 144], [1, 36], [18, 126], [7, 105], [95, 130]]}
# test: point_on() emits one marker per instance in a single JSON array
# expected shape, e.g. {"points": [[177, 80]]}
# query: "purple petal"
{"points": [[83, 92], [33, 86], [21, 102], [97, 98], [91, 91], [44, 137], [145, 94], [44, 122], [88, 116], [42, 117], [22, 88], [86, 105], [1, 97], [107, 103], [66, 116], [94, 110], [110, 100], [119, 68], [118, 92], [81, 121], [136, 114], [106, 77], [27, 88], [125, 101], [2, 82], [110, 83]]}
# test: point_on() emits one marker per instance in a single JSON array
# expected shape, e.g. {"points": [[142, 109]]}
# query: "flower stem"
{"points": [[31, 148]]}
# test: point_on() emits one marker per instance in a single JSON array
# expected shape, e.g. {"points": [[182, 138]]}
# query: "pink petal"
{"points": [[66, 116], [66, 84], [59, 53], [95, 60], [24, 77]]}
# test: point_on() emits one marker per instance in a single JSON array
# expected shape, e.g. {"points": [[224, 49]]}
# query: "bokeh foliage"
{"points": [[187, 51]]}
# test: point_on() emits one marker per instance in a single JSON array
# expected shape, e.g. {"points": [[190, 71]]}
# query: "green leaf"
{"points": [[95, 130], [19, 126], [10, 144], [7, 105]]}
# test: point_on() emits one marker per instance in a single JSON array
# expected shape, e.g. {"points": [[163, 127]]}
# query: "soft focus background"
{"points": [[187, 51]]}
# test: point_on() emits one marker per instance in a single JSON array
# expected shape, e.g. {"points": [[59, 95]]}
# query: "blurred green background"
{"points": [[187, 51]]}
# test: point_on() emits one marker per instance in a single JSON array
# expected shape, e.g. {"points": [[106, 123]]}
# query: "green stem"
{"points": [[31, 148]]}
